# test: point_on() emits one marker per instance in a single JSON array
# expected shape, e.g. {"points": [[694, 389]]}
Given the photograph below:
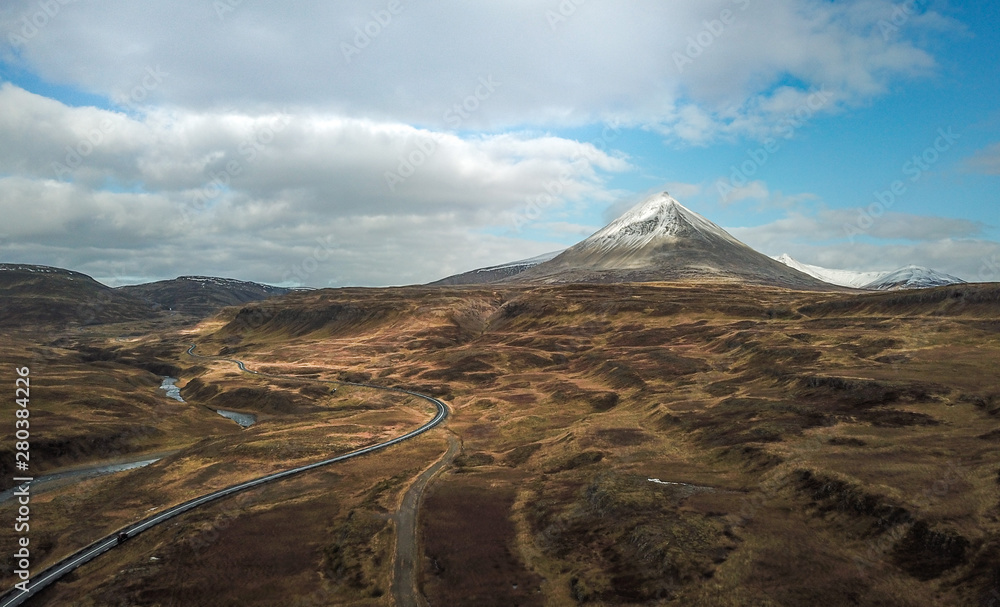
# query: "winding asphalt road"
{"points": [[14, 596]]}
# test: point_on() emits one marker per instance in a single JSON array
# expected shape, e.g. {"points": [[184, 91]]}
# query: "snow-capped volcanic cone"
{"points": [[660, 239], [912, 277]]}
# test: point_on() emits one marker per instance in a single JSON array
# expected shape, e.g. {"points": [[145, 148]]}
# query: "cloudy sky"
{"points": [[396, 142]]}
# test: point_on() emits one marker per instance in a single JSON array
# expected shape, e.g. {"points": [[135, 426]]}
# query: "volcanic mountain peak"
{"points": [[659, 216], [661, 240]]}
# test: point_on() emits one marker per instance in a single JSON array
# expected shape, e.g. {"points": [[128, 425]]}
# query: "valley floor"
{"points": [[683, 444]]}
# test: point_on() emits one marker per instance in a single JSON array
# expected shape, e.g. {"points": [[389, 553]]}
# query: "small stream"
{"points": [[82, 473], [169, 386], [244, 419]]}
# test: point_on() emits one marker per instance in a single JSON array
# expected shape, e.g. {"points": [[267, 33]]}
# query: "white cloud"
{"points": [[832, 224], [604, 61], [971, 260], [756, 190], [249, 195], [821, 238], [248, 138], [683, 191], [565, 228]]}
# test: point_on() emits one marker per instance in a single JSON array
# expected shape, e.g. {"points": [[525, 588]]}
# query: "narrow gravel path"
{"points": [[405, 569]]}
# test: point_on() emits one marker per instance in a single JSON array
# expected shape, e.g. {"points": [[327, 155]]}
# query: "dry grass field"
{"points": [[681, 444]]}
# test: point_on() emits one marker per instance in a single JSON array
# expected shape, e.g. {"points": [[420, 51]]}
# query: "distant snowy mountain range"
{"points": [[662, 240], [909, 277], [658, 240], [201, 295]]}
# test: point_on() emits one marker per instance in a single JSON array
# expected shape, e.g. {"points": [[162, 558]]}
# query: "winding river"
{"points": [[169, 386]]}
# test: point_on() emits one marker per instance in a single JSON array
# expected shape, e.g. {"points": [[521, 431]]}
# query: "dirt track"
{"points": [[407, 557]]}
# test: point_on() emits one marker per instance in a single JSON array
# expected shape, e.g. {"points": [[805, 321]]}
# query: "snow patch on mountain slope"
{"points": [[18, 267], [657, 217], [910, 277], [527, 263], [844, 278], [229, 283]]}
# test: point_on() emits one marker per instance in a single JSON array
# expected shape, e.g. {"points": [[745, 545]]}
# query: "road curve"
{"points": [[15, 596]]}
